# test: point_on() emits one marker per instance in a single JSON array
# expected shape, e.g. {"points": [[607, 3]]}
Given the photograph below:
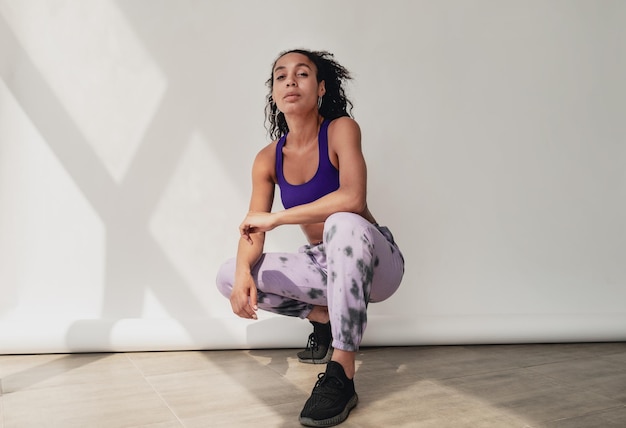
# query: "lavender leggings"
{"points": [[357, 263]]}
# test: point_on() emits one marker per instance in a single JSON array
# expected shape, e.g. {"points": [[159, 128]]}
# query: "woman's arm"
{"points": [[344, 140], [243, 298]]}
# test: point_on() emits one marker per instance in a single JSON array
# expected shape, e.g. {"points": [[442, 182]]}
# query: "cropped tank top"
{"points": [[325, 180]]}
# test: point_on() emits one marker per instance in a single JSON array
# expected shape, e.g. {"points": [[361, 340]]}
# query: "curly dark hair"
{"points": [[335, 103]]}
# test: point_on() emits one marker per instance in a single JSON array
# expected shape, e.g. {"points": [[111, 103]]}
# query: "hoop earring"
{"points": [[319, 102]]}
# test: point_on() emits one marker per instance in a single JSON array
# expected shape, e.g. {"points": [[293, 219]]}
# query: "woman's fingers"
{"points": [[245, 232], [253, 301], [243, 305], [256, 222]]}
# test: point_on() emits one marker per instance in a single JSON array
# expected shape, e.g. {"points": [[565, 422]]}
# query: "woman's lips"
{"points": [[291, 96]]}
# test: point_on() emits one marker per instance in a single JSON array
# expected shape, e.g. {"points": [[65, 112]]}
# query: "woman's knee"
{"points": [[226, 277], [343, 217], [342, 221]]}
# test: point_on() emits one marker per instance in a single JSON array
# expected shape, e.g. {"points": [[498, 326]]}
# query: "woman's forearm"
{"points": [[249, 253], [319, 210]]}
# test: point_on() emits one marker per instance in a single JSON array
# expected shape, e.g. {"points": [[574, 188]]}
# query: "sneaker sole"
{"points": [[327, 357], [335, 420]]}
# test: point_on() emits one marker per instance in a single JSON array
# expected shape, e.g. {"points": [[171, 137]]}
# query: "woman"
{"points": [[349, 261]]}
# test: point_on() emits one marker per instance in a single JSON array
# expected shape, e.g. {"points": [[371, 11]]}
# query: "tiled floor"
{"points": [[567, 385]]}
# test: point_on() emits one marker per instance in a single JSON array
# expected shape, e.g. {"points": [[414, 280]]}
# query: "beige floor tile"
{"points": [[242, 365], [546, 386], [24, 366], [441, 362], [10, 364], [372, 363], [524, 392], [618, 358], [279, 416], [197, 394], [160, 363], [303, 378], [286, 366], [557, 404], [278, 360], [85, 405], [428, 404], [496, 386], [599, 375], [612, 418], [28, 372], [536, 354], [383, 383], [172, 424]]}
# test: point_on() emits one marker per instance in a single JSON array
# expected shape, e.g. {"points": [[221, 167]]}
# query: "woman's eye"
{"points": [[303, 74], [281, 77]]}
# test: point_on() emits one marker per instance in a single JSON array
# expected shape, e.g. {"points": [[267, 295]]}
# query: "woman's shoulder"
{"points": [[265, 160], [267, 153], [344, 128], [343, 123], [270, 147]]}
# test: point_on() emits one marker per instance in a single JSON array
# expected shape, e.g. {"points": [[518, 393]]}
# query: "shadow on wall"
{"points": [[135, 263]]}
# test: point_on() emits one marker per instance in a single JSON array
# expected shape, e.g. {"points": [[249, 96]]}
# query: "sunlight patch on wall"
{"points": [[52, 245], [152, 306], [193, 221], [98, 69]]}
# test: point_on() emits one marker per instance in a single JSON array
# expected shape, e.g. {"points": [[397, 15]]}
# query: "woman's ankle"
{"points": [[319, 314], [347, 361]]}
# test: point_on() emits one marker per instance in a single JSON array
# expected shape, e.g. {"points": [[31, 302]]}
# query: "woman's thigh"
{"points": [[297, 276], [389, 270]]}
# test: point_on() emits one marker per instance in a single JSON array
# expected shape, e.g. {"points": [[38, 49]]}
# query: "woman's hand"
{"points": [[243, 298], [256, 222]]}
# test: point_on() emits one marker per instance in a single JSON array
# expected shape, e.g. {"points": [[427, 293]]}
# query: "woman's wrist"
{"points": [[243, 273], [278, 218]]}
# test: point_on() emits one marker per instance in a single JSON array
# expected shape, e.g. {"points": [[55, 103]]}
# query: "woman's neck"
{"points": [[303, 129]]}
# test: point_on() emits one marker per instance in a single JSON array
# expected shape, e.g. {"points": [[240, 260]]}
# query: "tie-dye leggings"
{"points": [[357, 263]]}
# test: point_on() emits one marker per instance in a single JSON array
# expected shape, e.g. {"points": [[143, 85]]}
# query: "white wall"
{"points": [[494, 133]]}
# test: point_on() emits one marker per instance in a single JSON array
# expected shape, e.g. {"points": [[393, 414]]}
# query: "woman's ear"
{"points": [[321, 88]]}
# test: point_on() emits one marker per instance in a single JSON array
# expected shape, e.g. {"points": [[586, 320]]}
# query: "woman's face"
{"points": [[294, 84]]}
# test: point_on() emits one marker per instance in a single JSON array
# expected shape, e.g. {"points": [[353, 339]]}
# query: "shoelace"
{"points": [[328, 382], [312, 343]]}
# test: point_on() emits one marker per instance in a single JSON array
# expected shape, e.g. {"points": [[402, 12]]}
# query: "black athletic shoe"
{"points": [[318, 349], [332, 398]]}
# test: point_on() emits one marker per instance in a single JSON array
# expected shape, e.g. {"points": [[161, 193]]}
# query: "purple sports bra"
{"points": [[325, 180]]}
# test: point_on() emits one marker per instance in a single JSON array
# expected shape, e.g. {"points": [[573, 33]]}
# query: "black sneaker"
{"points": [[318, 349], [332, 398]]}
